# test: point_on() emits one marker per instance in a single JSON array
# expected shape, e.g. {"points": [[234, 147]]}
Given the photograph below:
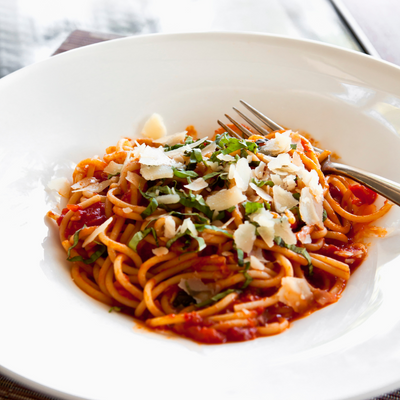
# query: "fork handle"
{"points": [[383, 186]]}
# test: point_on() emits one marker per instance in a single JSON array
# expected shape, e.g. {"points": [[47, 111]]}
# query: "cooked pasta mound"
{"points": [[218, 240]]}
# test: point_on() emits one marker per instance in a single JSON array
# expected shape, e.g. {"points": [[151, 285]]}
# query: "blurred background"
{"points": [[32, 30]]}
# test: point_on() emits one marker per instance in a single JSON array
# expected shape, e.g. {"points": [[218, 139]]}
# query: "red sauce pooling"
{"points": [[93, 215], [363, 194]]}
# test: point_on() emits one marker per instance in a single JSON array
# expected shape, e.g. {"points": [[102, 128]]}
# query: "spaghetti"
{"points": [[217, 240]]}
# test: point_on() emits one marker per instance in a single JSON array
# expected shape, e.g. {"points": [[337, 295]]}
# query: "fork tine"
{"points": [[271, 124], [229, 130], [258, 128], [242, 129]]}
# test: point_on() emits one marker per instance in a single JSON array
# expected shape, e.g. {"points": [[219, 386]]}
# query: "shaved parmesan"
{"points": [[242, 174], [113, 168], [244, 237], [295, 293], [160, 251], [152, 173], [259, 171], [283, 199], [225, 157], [261, 192], [267, 225], [210, 148], [311, 180], [188, 225], [154, 127], [198, 184], [172, 139], [310, 210], [282, 165], [169, 227], [127, 210], [61, 185], [281, 144], [154, 156], [290, 182], [84, 183], [255, 263], [196, 288], [97, 231], [96, 187], [133, 178], [168, 199], [225, 198], [284, 230]]}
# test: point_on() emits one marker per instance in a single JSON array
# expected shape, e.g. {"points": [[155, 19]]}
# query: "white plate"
{"points": [[55, 113]]}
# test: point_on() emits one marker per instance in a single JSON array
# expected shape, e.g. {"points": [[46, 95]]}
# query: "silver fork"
{"points": [[383, 186]]}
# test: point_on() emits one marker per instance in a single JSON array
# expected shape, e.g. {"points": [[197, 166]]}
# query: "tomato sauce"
{"points": [[93, 215], [363, 195]]}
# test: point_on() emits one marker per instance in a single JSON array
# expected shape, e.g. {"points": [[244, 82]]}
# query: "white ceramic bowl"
{"points": [[56, 339]]}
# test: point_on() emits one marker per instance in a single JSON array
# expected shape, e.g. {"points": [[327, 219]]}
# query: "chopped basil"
{"points": [[184, 174], [97, 254], [296, 196], [117, 309], [202, 220], [76, 240], [195, 158], [324, 215], [240, 255], [251, 207], [247, 276], [262, 183], [215, 298], [213, 174], [138, 236], [299, 250], [200, 240], [150, 208], [229, 144], [195, 201], [293, 146], [201, 227]]}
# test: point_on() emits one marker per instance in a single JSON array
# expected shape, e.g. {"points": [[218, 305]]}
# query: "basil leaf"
{"points": [[240, 255], [231, 209], [200, 241], [184, 174], [247, 276], [150, 208], [299, 250], [201, 227], [229, 144], [254, 164], [183, 299], [203, 220], [296, 196], [97, 254], [139, 236], [76, 240], [251, 207], [217, 297], [293, 146], [212, 174], [109, 176], [195, 201], [117, 309], [262, 183], [324, 215]]}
